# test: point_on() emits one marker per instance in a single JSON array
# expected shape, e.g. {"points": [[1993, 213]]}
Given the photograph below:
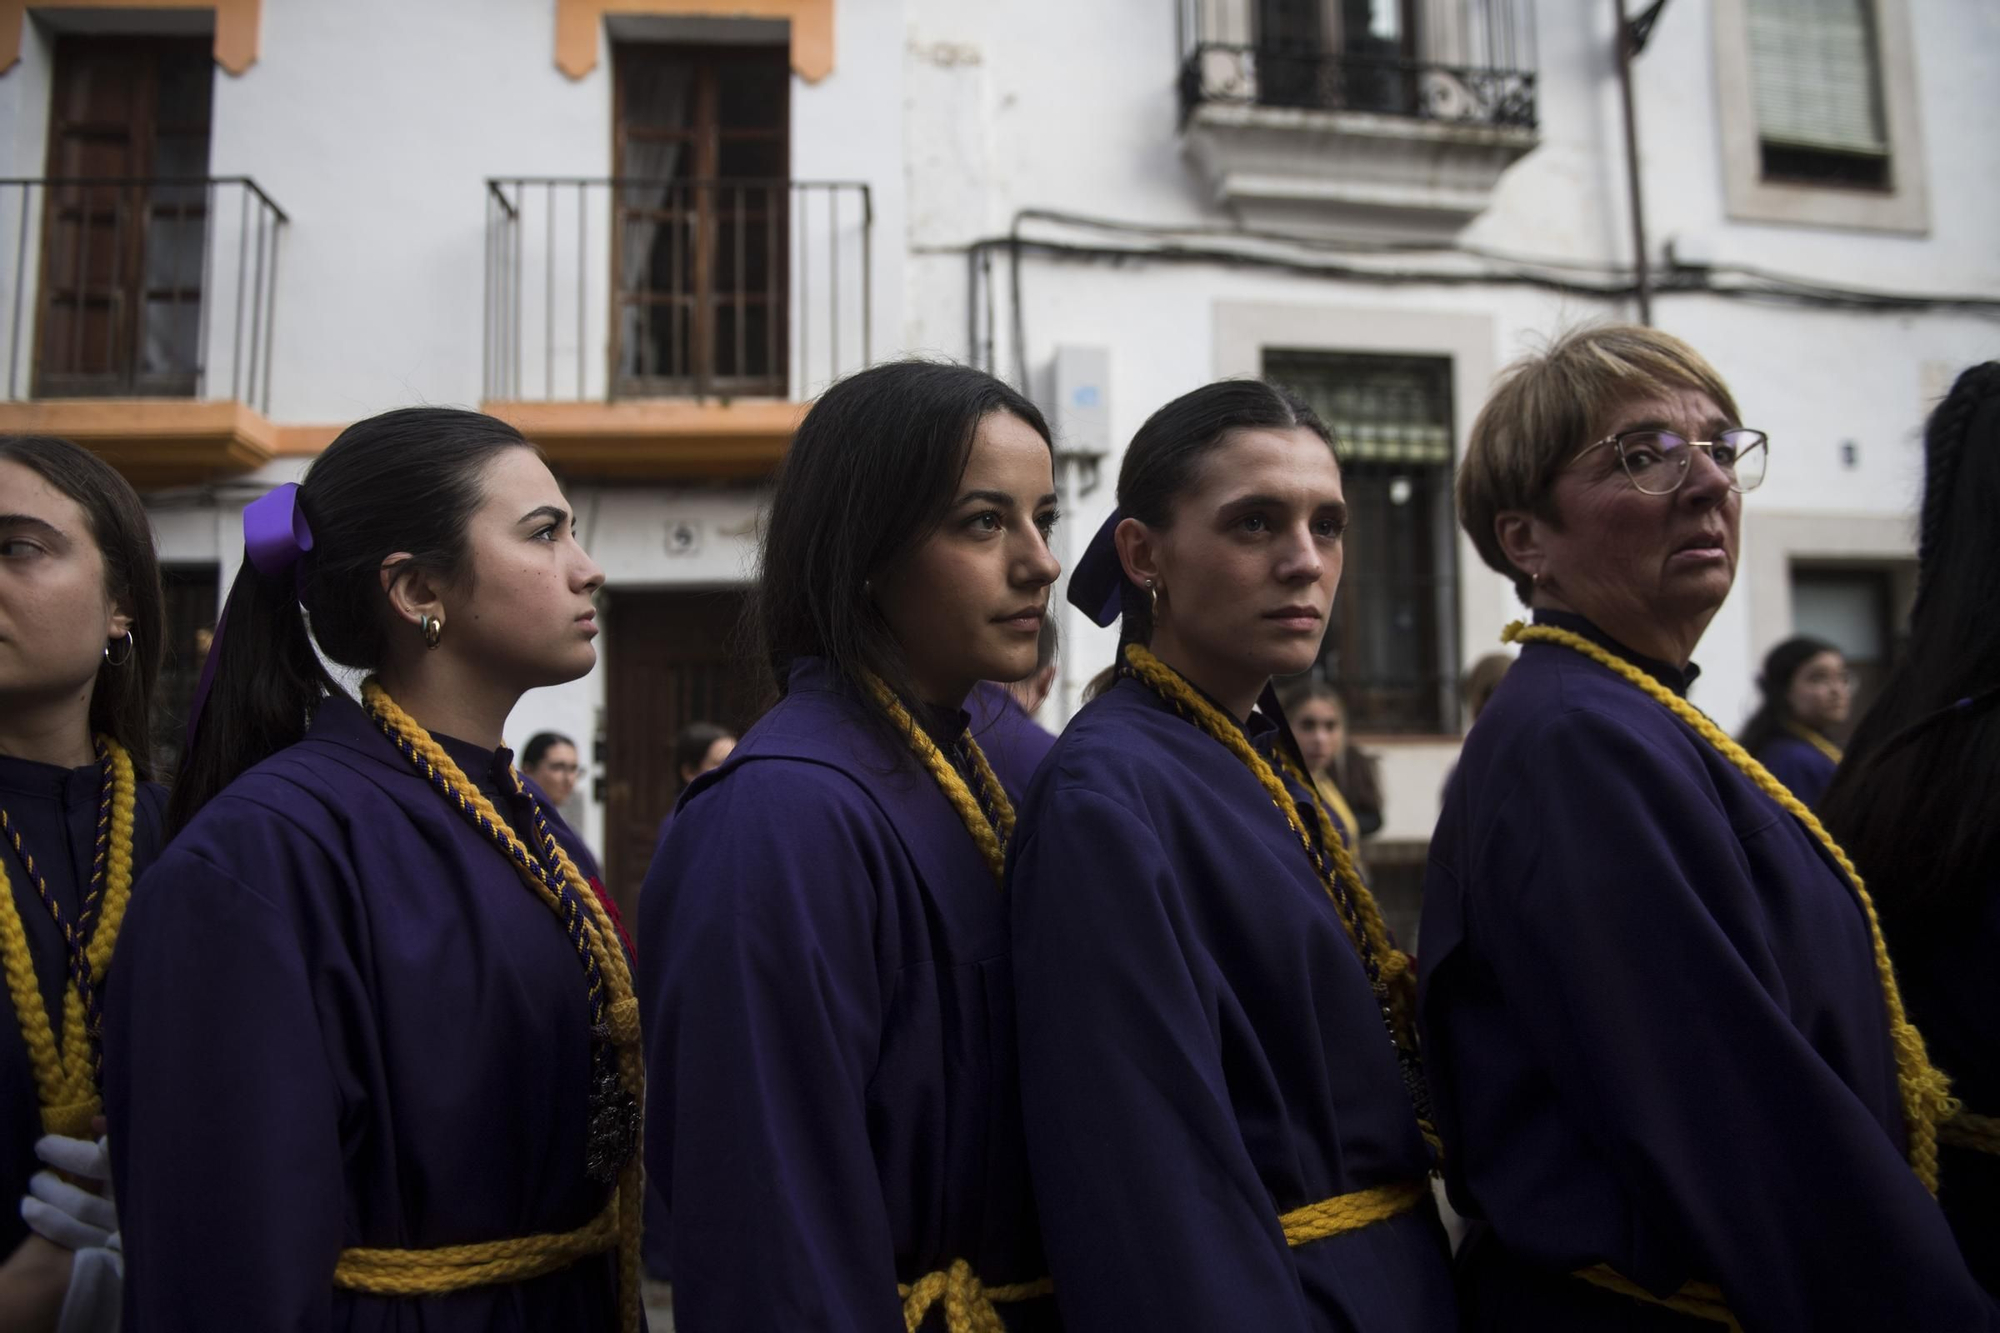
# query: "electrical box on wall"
{"points": [[1081, 400]]}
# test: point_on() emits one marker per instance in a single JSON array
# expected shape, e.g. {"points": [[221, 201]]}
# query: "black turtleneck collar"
{"points": [[1669, 675], [53, 782]]}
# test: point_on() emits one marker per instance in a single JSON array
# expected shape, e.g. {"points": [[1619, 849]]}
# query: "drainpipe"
{"points": [[1629, 41]]}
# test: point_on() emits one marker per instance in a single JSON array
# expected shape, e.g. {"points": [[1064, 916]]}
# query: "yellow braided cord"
{"points": [[1393, 966], [1329, 791], [967, 1302], [1814, 739], [1350, 1212], [1703, 1300], [1978, 1133], [63, 1077], [459, 1267], [621, 1015], [992, 841], [1926, 1093]]}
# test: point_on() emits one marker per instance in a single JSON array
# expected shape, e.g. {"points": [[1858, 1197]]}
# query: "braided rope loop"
{"points": [[990, 835], [68, 1072], [614, 1013], [1926, 1094], [1389, 971]]}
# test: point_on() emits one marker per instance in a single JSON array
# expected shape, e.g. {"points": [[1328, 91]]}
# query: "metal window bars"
{"points": [[152, 286], [1461, 62], [614, 288]]}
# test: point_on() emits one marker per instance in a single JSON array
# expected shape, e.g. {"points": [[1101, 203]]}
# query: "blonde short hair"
{"points": [[1548, 406]]}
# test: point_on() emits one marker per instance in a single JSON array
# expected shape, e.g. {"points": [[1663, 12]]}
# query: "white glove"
{"points": [[96, 1290], [73, 1218]]}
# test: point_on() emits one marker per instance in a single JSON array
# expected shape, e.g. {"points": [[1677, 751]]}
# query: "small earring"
{"points": [[119, 661], [433, 629], [1153, 599]]}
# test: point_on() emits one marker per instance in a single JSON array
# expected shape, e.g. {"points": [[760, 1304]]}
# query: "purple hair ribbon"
{"points": [[1097, 584], [275, 536]]}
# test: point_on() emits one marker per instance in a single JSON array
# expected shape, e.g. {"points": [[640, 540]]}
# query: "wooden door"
{"points": [[701, 216], [125, 219], [670, 659]]}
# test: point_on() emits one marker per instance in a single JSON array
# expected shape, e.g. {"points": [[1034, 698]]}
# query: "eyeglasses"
{"points": [[1657, 461]]}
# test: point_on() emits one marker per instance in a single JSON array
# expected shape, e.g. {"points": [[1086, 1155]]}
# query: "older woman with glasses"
{"points": [[1674, 1079]]}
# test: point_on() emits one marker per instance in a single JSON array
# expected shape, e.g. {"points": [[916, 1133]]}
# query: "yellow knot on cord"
{"points": [[622, 1017], [968, 1303]]}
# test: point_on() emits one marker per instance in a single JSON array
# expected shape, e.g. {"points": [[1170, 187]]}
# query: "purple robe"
{"points": [[1013, 742], [1200, 1048], [55, 810], [1655, 1032], [344, 1020], [830, 1038], [1950, 972], [1800, 766]]}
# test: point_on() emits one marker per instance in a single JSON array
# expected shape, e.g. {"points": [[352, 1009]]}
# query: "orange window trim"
{"points": [[237, 24], [578, 23]]}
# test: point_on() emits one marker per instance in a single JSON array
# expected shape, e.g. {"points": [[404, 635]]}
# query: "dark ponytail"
{"points": [[1914, 801], [121, 701], [1781, 664], [1166, 459], [408, 480]]}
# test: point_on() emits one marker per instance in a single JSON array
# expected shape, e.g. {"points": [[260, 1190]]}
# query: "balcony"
{"points": [[671, 327], [139, 319], [1370, 120]]}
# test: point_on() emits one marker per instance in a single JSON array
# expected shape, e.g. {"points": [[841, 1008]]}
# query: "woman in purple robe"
{"points": [[81, 625], [1675, 1080], [835, 1122], [373, 1060], [1219, 1076], [1917, 802]]}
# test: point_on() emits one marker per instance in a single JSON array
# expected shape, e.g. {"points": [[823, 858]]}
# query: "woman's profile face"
{"points": [[56, 616], [967, 605], [523, 614], [1821, 691], [1321, 731], [1623, 557]]}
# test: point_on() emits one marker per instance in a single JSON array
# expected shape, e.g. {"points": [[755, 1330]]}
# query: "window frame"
{"points": [[1902, 206]]}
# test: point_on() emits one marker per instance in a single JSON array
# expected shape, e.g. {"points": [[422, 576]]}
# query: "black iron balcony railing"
{"points": [[624, 288], [1468, 62], [159, 287]]}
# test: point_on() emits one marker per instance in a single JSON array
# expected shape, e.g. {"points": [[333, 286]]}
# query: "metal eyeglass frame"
{"points": [[1680, 477]]}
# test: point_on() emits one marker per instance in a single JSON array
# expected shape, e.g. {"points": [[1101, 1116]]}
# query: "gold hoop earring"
{"points": [[433, 628], [1153, 599], [119, 661]]}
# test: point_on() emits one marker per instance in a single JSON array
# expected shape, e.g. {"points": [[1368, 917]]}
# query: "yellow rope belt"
{"points": [[1979, 1133], [1350, 1212], [1703, 1300], [381, 1272], [970, 1305]]}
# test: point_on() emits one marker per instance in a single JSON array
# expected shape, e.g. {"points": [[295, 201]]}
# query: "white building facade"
{"points": [[649, 230]]}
